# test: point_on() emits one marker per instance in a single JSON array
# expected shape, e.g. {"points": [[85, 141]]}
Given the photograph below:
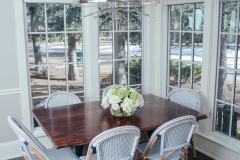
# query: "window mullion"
{"points": [[180, 48]]}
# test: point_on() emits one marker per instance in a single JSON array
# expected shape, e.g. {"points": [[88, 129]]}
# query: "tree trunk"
{"points": [[72, 71], [119, 51], [222, 79], [37, 53]]}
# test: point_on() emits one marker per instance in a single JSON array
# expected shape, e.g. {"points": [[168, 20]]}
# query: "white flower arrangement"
{"points": [[122, 98]]}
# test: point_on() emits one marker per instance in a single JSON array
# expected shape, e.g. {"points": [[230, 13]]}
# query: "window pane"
{"points": [[120, 45], [106, 74], [185, 75], [37, 49], [80, 96], [120, 72], [105, 21], [186, 46], [197, 72], [73, 18], [173, 79], [235, 133], [174, 45], [223, 118], [227, 51], [187, 17], [75, 77], [136, 21], [175, 17], [135, 69], [137, 88], [170, 89], [198, 47], [39, 81], [35, 17], [238, 53], [105, 46], [122, 24], [58, 78], [199, 19], [74, 45], [55, 18], [237, 89], [225, 83], [39, 102], [229, 16], [56, 48], [135, 44]]}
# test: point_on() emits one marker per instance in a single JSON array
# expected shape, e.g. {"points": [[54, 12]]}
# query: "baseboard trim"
{"points": [[207, 154], [10, 91], [10, 150]]}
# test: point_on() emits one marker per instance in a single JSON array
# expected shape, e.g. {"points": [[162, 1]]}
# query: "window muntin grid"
{"points": [[227, 87], [55, 53], [185, 39], [120, 48]]}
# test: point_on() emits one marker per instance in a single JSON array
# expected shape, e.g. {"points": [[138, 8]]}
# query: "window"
{"points": [[185, 44], [227, 100], [120, 51], [55, 52]]}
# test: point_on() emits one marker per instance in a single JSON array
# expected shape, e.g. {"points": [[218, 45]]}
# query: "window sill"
{"points": [[230, 143]]}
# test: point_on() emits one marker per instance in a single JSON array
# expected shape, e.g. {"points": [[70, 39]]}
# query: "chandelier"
{"points": [[114, 10]]}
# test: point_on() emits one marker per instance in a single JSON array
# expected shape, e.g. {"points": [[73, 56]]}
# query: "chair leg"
{"points": [[193, 148], [25, 157], [136, 155]]}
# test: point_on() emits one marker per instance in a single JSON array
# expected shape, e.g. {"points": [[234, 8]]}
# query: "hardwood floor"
{"points": [[200, 156]]}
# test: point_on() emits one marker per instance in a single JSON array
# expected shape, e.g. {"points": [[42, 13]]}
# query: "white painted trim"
{"points": [[222, 140], [10, 150], [4, 92], [171, 2], [22, 63], [207, 154]]}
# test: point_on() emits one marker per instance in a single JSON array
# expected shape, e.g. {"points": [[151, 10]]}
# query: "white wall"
{"points": [[9, 73]]}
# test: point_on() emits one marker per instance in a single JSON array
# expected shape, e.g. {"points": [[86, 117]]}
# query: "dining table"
{"points": [[75, 124]]}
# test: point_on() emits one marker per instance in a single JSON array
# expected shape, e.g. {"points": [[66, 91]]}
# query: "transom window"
{"points": [[120, 51], [55, 52], [185, 46], [227, 100]]}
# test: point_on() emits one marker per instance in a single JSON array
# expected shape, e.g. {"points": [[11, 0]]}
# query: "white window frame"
{"points": [[209, 64], [128, 58], [91, 61], [91, 75]]}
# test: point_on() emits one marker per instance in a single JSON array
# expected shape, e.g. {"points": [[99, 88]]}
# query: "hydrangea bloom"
{"points": [[122, 98]]}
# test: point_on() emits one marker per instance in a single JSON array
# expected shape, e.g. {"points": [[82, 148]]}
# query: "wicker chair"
{"points": [[61, 98], [29, 142], [186, 97], [169, 140], [189, 98], [117, 143], [107, 88]]}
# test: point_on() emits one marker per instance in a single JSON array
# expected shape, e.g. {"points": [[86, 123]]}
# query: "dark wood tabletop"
{"points": [[79, 123]]}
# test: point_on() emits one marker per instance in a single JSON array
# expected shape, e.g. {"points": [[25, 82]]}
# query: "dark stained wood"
{"points": [[79, 123]]}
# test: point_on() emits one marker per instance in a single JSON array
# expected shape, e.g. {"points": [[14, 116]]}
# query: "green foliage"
{"points": [[44, 72], [135, 39], [37, 16], [135, 69], [197, 73]]}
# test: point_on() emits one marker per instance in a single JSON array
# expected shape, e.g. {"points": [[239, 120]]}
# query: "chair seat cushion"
{"points": [[94, 157], [62, 153], [155, 152]]}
